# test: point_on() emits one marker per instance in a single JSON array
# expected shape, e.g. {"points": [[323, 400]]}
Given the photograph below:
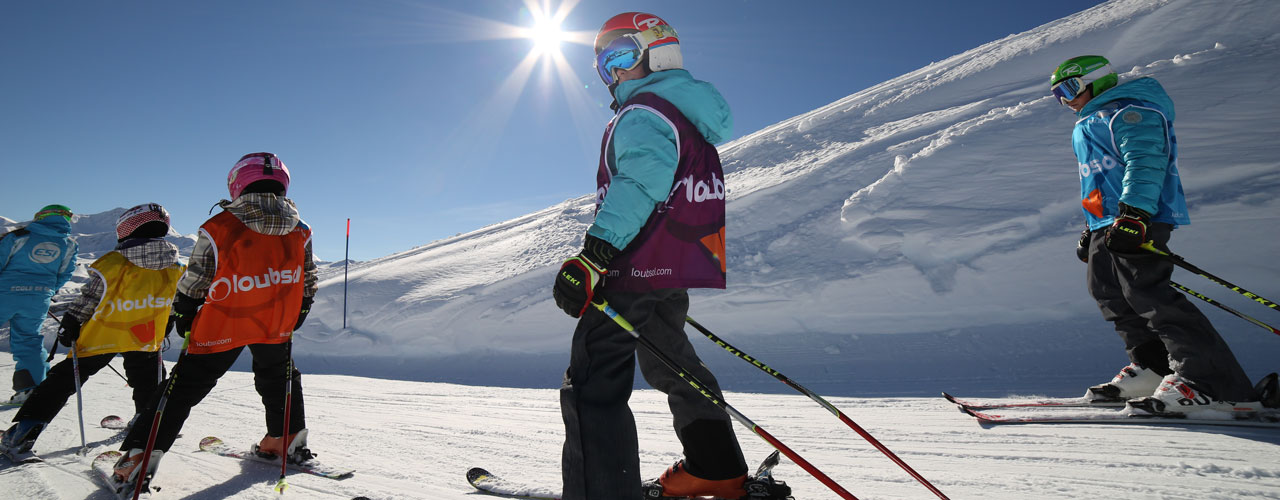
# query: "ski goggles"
{"points": [[1068, 89], [626, 51]]}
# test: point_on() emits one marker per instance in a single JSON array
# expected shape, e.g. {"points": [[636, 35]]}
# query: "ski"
{"points": [[991, 404], [489, 483], [1266, 419], [11, 458], [761, 486], [114, 422], [216, 446]]}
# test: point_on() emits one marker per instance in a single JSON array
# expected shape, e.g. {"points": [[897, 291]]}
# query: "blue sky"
{"points": [[410, 118]]}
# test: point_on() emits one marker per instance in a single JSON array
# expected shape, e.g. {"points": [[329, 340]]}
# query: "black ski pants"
{"points": [[601, 450], [1161, 329], [195, 375], [142, 370]]}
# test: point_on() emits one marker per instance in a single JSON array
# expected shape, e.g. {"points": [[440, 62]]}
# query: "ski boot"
{"points": [[20, 397], [273, 447], [1176, 395], [20, 437], [677, 483], [1268, 391], [127, 470], [1133, 381]]}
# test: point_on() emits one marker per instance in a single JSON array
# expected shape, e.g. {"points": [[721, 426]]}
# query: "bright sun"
{"points": [[546, 36]]}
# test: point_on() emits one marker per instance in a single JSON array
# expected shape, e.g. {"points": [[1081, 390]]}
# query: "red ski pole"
{"points": [[719, 401], [818, 399]]}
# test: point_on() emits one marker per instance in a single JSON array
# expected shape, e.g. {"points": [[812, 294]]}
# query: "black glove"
{"points": [[68, 330], [168, 326], [184, 313], [302, 313], [1082, 246], [580, 275], [1129, 231]]}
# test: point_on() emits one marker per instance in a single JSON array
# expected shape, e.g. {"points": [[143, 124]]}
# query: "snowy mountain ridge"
{"points": [[934, 205]]}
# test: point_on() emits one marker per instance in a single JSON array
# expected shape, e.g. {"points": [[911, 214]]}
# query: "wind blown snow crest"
{"points": [[944, 200]]}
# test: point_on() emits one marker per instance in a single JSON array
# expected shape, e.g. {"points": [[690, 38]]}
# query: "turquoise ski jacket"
{"points": [[40, 261], [643, 153], [1127, 152]]}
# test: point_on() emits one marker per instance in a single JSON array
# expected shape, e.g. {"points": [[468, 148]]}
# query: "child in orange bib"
{"points": [[250, 282]]}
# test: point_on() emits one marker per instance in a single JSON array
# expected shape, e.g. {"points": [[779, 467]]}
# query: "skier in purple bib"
{"points": [[658, 231]]}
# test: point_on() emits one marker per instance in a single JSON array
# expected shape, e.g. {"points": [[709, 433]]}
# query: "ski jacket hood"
{"points": [[265, 213], [50, 226], [1127, 153], [697, 100], [1144, 89], [149, 253]]}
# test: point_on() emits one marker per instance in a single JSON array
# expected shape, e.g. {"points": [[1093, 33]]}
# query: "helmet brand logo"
{"points": [[645, 21], [224, 287]]}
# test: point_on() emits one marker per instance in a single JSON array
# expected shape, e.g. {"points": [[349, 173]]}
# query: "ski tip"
{"points": [[476, 473], [770, 461], [210, 442]]}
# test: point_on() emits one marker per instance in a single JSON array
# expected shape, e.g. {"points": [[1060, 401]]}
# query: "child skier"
{"points": [[35, 261], [1131, 194], [653, 238], [249, 282], [123, 309]]}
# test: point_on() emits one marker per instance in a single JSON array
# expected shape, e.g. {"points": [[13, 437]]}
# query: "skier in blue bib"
{"points": [[1131, 194], [35, 261]]}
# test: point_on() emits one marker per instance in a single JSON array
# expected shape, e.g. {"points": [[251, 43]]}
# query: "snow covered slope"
{"points": [[416, 440], [940, 206]]}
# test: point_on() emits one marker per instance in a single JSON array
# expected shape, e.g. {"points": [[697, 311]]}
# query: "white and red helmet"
{"points": [[136, 217], [255, 167], [641, 34]]}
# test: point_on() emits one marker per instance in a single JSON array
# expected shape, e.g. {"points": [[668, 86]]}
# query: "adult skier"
{"points": [[35, 261], [658, 231], [124, 308], [249, 282], [1131, 194]]}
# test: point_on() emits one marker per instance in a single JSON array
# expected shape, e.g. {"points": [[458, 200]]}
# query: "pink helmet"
{"points": [[255, 167], [135, 217]]}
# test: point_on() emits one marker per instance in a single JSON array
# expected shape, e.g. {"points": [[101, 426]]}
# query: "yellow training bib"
{"points": [[134, 308]]}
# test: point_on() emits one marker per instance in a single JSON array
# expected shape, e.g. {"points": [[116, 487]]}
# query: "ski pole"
{"points": [[281, 485], [75, 369], [818, 399], [155, 420], [1224, 307], [717, 400], [1180, 262]]}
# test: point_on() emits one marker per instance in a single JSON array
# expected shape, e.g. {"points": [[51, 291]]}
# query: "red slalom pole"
{"points": [[346, 263], [719, 401], [818, 399]]}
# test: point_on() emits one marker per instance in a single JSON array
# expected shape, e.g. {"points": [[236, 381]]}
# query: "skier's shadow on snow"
{"points": [[252, 475]]}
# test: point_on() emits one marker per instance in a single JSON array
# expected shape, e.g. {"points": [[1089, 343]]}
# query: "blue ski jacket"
{"points": [[1127, 152], [645, 154], [40, 261]]}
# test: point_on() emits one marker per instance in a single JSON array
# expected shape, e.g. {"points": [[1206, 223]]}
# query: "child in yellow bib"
{"points": [[123, 309]]}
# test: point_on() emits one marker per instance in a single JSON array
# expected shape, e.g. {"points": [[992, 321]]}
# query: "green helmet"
{"points": [[52, 210], [1103, 76]]}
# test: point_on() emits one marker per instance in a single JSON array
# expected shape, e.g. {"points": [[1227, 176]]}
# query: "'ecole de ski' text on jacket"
{"points": [[1127, 152]]}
